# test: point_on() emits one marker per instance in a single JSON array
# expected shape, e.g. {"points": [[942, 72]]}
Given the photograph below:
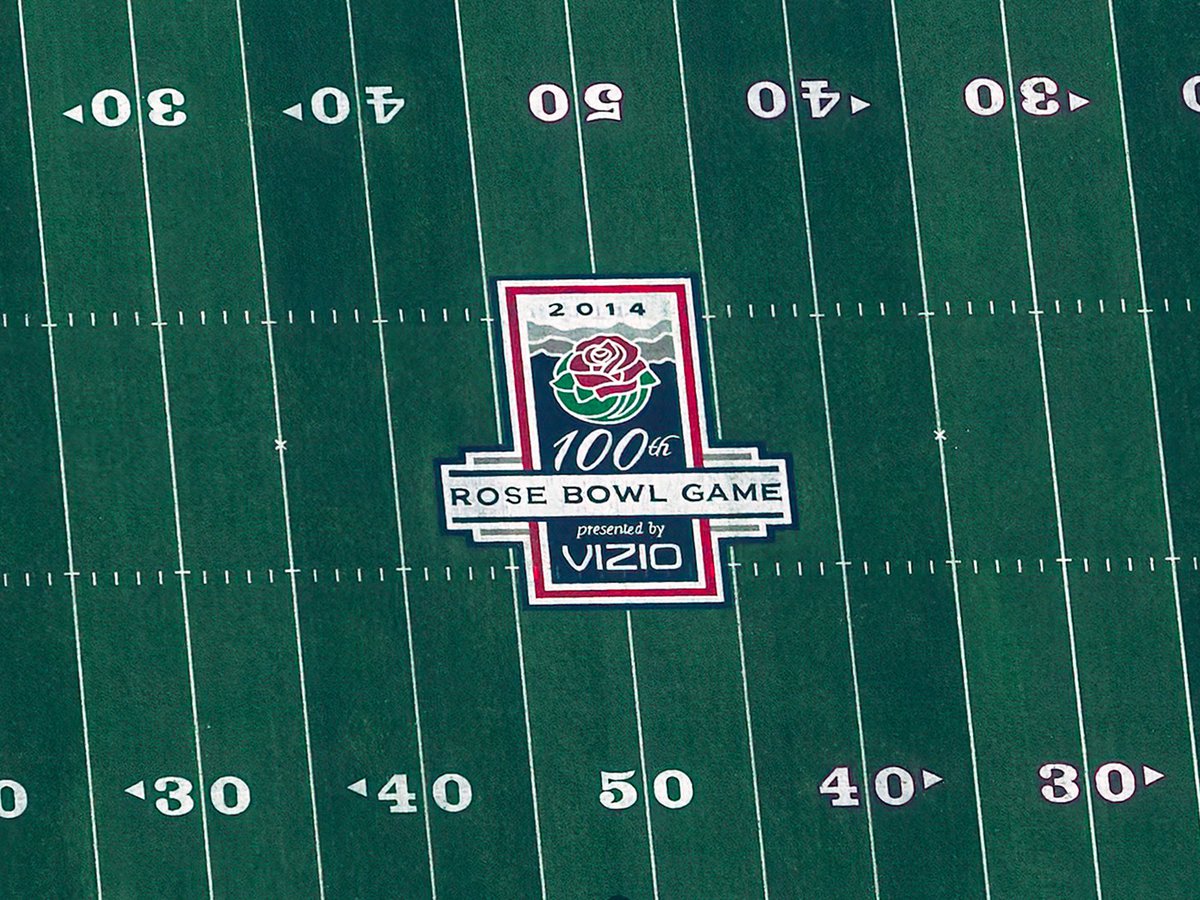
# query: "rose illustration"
{"points": [[603, 379]]}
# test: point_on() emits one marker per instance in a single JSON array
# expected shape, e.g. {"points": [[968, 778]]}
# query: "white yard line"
{"points": [[1063, 560], [391, 433], [512, 565], [733, 574], [940, 440], [1173, 557], [637, 708], [283, 479], [537, 815], [166, 397], [72, 575], [575, 104], [837, 502]]}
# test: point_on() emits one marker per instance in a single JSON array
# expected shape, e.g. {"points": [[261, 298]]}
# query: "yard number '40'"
{"points": [[893, 785]]}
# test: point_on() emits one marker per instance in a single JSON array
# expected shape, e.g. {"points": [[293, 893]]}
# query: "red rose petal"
{"points": [[630, 373]]}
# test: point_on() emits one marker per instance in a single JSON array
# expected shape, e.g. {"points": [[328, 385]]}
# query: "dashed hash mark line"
{"points": [[763, 313], [876, 567]]}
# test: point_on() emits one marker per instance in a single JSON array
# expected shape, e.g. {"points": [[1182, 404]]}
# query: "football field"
{"points": [[943, 257]]}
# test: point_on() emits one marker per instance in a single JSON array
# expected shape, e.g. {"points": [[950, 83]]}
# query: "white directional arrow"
{"points": [[297, 112], [1149, 775], [359, 787], [857, 105], [75, 114], [1074, 101], [929, 779], [137, 790]]}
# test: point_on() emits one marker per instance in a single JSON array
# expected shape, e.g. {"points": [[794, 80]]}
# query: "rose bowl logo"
{"points": [[610, 483], [603, 379]]}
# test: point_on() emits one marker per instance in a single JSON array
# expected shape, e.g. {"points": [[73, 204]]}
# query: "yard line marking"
{"points": [[512, 566], [487, 318], [587, 205], [166, 396], [941, 444], [733, 573], [587, 213], [637, 708], [1058, 516], [537, 818], [283, 480], [391, 429], [837, 502], [687, 128], [62, 460], [1162, 461]]}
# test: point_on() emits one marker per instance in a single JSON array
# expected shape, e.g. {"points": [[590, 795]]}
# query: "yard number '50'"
{"points": [[672, 789]]}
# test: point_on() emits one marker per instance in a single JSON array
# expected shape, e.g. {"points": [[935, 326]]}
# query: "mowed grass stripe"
{"points": [[883, 422], [43, 748], [999, 464], [1145, 310], [419, 171], [342, 508], [1156, 50], [133, 650], [940, 437], [689, 668], [1131, 675], [369, 208], [533, 222], [230, 492], [801, 684]]}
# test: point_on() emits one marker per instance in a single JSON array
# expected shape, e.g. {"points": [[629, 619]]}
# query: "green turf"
{"points": [[757, 701]]}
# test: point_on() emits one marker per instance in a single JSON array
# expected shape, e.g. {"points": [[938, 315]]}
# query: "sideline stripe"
{"points": [[512, 565], [837, 501], [62, 461], [1173, 558], [391, 432], [733, 574], [283, 480], [937, 414], [166, 396], [1062, 545]]}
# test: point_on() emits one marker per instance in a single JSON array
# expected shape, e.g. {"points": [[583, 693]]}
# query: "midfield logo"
{"points": [[612, 488]]}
